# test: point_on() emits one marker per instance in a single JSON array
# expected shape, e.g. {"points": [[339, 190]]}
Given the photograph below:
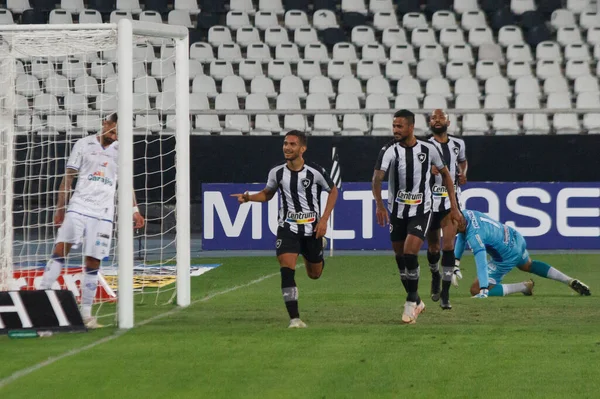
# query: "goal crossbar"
{"points": [[141, 28]]}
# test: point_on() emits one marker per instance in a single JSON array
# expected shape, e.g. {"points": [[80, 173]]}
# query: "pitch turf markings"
{"points": [[28, 370]]}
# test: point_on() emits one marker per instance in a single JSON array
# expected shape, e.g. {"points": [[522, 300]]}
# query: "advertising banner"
{"points": [[549, 215]]}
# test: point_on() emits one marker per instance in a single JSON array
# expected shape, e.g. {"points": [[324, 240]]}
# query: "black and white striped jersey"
{"points": [[453, 152], [409, 176], [299, 193]]}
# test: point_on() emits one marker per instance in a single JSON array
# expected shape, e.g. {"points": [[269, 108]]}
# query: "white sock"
{"points": [[88, 292], [512, 288], [557, 275], [53, 270]]}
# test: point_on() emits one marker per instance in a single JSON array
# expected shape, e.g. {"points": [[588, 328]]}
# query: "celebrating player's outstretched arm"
{"points": [[264, 195]]}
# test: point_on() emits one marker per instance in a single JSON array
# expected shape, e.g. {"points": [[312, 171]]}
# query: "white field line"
{"points": [[28, 370]]}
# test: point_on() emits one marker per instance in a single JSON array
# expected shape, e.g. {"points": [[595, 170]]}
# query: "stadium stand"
{"points": [[336, 55]]}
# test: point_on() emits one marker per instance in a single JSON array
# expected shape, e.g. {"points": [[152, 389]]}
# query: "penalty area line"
{"points": [[28, 370]]}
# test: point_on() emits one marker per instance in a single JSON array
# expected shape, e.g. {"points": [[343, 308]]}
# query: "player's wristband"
{"points": [[136, 209], [246, 197]]}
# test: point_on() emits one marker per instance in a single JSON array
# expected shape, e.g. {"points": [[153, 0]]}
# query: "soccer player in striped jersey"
{"points": [[301, 225], [408, 162], [453, 154], [507, 249]]}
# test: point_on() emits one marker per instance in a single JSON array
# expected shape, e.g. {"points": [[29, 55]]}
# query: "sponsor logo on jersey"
{"points": [[421, 157], [441, 191], [100, 177], [301, 217], [104, 164], [407, 198]]}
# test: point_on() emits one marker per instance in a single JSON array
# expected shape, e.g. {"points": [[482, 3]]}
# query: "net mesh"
{"points": [[57, 87]]}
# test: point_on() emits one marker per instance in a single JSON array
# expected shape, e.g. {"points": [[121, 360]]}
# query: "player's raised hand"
{"points": [[383, 218], [138, 220], [242, 198], [59, 217]]}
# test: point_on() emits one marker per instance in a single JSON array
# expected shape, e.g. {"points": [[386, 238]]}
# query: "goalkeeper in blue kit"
{"points": [[507, 249]]}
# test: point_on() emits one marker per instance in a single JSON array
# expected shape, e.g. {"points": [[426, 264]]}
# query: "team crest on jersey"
{"points": [[421, 157], [305, 182], [278, 243], [455, 149]]}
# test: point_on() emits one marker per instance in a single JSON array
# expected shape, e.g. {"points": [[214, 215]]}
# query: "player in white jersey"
{"points": [[301, 225], [452, 150], [88, 218], [408, 162]]}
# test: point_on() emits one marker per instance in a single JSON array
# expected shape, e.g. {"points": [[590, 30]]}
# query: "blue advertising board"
{"points": [[549, 215]]}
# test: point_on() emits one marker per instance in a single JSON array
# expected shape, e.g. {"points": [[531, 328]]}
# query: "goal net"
{"points": [[57, 85]]}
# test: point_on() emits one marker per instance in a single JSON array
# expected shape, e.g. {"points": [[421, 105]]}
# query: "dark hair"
{"points": [[406, 114], [301, 136], [112, 117]]}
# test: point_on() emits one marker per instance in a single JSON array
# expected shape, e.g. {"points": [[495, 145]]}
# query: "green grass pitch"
{"points": [[236, 344]]}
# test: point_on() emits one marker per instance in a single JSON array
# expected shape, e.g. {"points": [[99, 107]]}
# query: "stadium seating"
{"points": [[325, 54]]}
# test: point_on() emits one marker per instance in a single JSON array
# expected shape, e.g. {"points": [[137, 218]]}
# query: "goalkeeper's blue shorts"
{"points": [[517, 257]]}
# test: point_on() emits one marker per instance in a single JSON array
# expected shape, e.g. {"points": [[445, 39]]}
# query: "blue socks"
{"points": [[540, 268], [544, 270]]}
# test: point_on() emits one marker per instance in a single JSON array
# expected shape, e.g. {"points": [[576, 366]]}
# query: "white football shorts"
{"points": [[95, 234]]}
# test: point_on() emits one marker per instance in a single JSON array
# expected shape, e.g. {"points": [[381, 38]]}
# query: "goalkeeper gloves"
{"points": [[456, 273], [483, 293]]}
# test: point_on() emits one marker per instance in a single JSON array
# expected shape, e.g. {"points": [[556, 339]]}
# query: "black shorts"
{"points": [[289, 242], [416, 226], [436, 219]]}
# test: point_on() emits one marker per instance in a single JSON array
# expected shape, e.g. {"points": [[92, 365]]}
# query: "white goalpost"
{"points": [[57, 84]]}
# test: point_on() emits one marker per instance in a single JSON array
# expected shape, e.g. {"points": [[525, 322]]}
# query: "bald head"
{"points": [[439, 122]]}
